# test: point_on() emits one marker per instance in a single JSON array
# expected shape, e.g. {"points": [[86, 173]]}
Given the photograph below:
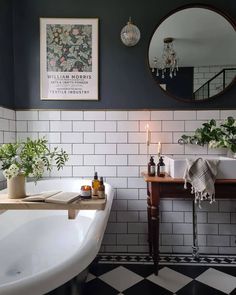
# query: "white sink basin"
{"points": [[175, 166]]}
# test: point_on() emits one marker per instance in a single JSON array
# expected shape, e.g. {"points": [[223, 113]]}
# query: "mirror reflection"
{"points": [[192, 54]]}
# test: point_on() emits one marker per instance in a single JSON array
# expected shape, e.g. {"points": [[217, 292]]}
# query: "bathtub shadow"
{"points": [[74, 287]]}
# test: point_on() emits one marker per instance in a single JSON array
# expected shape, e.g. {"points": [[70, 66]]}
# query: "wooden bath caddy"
{"points": [[73, 208]]}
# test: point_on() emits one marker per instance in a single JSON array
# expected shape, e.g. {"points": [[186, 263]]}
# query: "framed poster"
{"points": [[69, 58]]}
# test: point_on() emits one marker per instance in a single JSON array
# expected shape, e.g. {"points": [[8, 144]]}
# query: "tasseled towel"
{"points": [[201, 174]]}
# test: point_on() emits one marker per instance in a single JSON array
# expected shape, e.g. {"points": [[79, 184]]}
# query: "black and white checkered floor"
{"points": [[126, 275]]}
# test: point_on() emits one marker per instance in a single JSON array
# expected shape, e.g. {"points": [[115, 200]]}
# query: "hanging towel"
{"points": [[201, 174]]}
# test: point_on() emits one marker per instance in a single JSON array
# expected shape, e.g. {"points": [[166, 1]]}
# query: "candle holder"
{"points": [[86, 192]]}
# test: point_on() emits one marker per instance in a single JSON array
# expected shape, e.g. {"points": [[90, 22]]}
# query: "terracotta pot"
{"points": [[16, 187]]}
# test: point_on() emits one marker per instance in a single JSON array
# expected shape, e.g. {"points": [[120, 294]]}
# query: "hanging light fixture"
{"points": [[130, 34], [168, 62]]}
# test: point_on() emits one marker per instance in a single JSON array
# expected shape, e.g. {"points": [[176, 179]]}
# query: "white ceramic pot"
{"points": [[16, 187], [230, 154]]}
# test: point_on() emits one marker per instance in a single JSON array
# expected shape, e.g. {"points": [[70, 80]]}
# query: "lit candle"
{"points": [[159, 148], [87, 187], [147, 134], [85, 191]]}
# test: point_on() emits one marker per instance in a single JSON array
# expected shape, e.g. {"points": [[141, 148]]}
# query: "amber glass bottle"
{"points": [[95, 184], [161, 168], [151, 167], [101, 189]]}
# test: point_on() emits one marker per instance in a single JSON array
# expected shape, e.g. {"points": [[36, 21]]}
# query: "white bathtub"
{"points": [[41, 250]]}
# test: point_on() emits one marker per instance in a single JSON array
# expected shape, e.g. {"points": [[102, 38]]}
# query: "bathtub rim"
{"points": [[49, 279]]}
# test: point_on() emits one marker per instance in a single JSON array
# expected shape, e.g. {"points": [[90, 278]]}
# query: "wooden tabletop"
{"points": [[167, 179]]}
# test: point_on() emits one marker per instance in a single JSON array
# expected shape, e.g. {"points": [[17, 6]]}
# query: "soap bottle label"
{"points": [[152, 170], [101, 194], [162, 169], [101, 189]]}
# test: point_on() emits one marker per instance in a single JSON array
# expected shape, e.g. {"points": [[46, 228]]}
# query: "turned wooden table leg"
{"points": [[195, 234], [155, 202], [155, 237], [149, 225], [149, 220]]}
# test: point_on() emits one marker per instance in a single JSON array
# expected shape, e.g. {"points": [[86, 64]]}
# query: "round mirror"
{"points": [[192, 53]]}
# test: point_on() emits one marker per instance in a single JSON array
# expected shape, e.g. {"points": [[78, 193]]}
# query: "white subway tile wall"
{"points": [[113, 144], [203, 74]]}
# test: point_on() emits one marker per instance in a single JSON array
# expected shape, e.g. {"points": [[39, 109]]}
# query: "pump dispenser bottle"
{"points": [[161, 168], [151, 167]]}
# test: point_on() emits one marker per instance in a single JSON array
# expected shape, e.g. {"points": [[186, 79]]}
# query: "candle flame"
{"points": [[86, 187]]}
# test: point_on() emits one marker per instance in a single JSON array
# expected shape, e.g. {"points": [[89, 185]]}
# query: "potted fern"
{"points": [[28, 158]]}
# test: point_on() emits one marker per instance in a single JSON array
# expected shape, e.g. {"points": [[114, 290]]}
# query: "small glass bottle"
{"points": [[151, 167], [161, 168], [101, 189], [95, 184]]}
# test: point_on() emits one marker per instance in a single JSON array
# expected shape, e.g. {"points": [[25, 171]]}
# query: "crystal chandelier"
{"points": [[169, 62]]}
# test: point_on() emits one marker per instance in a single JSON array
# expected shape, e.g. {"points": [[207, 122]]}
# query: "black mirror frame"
{"points": [[197, 5]]}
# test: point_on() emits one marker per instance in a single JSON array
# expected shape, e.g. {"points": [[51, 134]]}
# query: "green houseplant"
{"points": [[28, 158], [222, 136]]}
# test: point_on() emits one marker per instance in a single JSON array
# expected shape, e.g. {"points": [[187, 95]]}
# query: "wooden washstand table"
{"points": [[168, 187], [73, 208]]}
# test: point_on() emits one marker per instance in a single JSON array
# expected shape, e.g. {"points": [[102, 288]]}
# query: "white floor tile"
{"points": [[120, 278], [218, 280], [170, 279]]}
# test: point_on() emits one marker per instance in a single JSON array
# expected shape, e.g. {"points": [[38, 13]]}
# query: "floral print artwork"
{"points": [[69, 48]]}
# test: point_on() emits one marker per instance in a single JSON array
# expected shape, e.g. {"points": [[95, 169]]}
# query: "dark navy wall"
{"points": [[181, 85], [125, 80], [6, 54]]}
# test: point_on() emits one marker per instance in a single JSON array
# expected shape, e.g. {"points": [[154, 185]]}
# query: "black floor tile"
{"points": [[143, 270], [98, 269], [233, 292], [191, 271], [146, 287], [98, 287], [197, 288]]}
